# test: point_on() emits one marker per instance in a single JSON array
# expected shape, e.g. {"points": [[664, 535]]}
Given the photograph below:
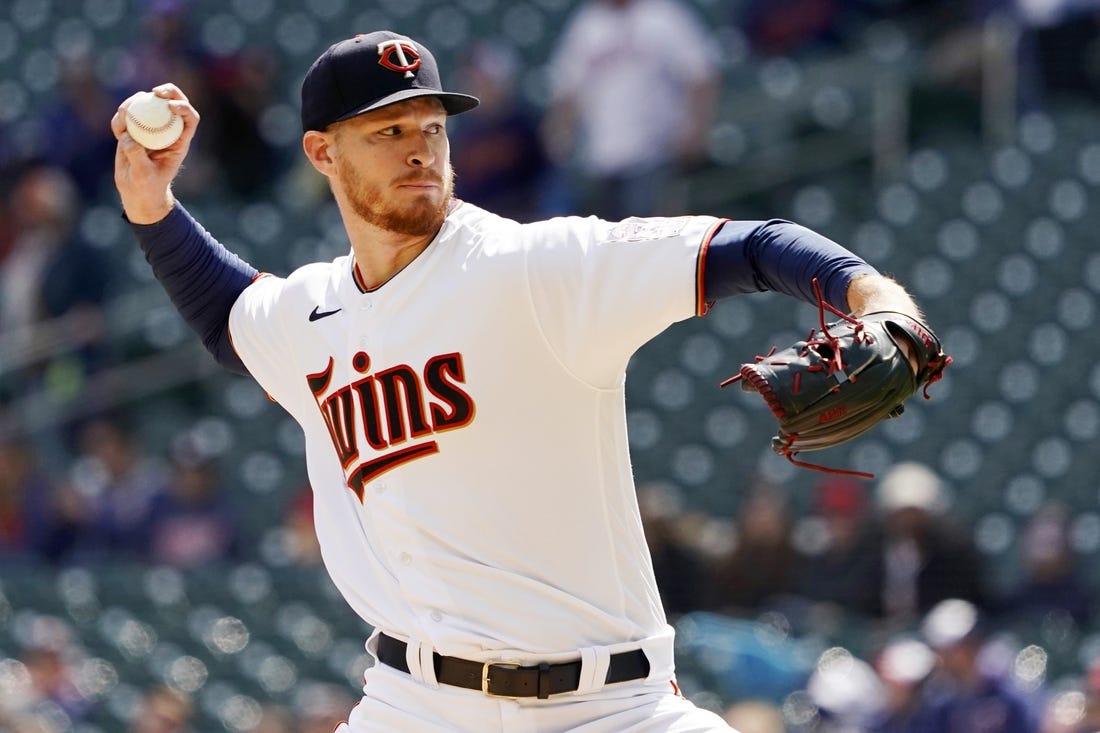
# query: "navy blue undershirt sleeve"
{"points": [[756, 256], [203, 279]]}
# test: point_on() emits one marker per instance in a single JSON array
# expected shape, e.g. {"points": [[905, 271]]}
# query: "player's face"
{"points": [[393, 166]]}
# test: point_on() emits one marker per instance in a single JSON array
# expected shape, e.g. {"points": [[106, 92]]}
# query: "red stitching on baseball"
{"points": [[130, 117]]}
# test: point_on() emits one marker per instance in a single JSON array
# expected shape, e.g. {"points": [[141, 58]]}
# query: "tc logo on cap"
{"points": [[399, 55]]}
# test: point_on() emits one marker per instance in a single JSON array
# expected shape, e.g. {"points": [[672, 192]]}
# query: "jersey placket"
{"points": [[384, 496]]}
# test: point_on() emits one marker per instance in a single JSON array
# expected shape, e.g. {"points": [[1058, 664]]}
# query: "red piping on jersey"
{"points": [[701, 305], [358, 277]]}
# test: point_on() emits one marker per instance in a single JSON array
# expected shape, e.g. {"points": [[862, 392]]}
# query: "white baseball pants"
{"points": [[394, 701]]}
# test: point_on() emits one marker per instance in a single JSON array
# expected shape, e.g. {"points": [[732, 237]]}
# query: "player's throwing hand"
{"points": [[144, 177]]}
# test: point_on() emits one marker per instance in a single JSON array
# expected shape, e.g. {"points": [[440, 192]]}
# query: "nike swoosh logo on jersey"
{"points": [[317, 315]]}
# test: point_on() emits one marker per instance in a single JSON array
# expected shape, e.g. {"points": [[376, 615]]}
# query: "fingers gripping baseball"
{"points": [[143, 177]]}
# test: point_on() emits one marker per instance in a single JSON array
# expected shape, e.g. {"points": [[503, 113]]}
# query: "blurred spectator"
{"points": [[1051, 582], [276, 719], [241, 88], [35, 512], [25, 496], [754, 716], [53, 679], [20, 723], [927, 558], [47, 690], [300, 536], [498, 157], [74, 133], [50, 270], [167, 49], [994, 58], [846, 691], [232, 91], [634, 86], [192, 523], [785, 27], [904, 666], [761, 567], [1072, 717], [113, 486], [680, 572], [50, 273], [1059, 46], [847, 568], [969, 699], [163, 710], [322, 707]]}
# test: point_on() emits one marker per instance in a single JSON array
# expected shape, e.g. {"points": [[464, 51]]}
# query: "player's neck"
{"points": [[381, 254]]}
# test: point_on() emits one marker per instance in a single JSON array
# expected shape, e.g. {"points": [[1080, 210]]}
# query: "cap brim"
{"points": [[453, 103]]}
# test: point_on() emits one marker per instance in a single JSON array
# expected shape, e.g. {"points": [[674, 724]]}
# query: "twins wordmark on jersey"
{"points": [[372, 418]]}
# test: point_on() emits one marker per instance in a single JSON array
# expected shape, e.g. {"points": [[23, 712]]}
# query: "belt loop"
{"points": [[427, 666], [594, 663], [418, 657], [544, 681]]}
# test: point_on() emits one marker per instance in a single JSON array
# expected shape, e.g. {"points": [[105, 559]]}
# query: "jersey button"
{"points": [[436, 616], [405, 558], [366, 306], [381, 487]]}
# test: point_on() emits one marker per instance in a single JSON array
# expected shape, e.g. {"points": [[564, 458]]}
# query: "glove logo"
{"points": [[399, 55]]}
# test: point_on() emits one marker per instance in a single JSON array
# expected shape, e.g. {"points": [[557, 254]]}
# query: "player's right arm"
{"points": [[203, 279]]}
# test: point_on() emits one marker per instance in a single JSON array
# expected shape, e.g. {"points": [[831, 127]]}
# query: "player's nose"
{"points": [[421, 153]]}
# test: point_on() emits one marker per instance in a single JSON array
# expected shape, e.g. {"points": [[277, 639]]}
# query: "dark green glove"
{"points": [[843, 380]]}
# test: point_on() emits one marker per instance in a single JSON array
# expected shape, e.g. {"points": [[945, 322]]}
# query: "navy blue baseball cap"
{"points": [[369, 71]]}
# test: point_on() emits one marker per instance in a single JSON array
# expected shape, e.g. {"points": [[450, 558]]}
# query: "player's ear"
{"points": [[316, 146]]}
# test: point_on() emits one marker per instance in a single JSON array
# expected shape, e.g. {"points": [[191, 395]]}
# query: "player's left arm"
{"points": [[758, 256], [781, 256]]}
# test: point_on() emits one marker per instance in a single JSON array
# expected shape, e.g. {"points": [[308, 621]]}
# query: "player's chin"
{"points": [[424, 202], [422, 219]]}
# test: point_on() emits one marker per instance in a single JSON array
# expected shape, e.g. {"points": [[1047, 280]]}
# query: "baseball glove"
{"points": [[844, 380]]}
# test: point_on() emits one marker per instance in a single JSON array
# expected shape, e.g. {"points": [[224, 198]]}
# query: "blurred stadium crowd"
{"points": [[158, 570]]}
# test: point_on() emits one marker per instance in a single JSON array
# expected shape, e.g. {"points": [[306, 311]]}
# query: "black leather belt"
{"points": [[500, 679]]}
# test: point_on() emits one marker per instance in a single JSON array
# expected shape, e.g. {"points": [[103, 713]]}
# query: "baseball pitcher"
{"points": [[459, 378]]}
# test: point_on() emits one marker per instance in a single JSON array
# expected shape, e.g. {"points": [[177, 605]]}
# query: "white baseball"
{"points": [[151, 122]]}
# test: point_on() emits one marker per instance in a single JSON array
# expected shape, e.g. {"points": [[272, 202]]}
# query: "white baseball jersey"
{"points": [[465, 425]]}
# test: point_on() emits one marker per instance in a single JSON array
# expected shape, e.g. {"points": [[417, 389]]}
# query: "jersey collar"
{"points": [[357, 276]]}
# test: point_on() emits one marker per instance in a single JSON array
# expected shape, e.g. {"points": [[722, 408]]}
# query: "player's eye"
{"points": [[435, 129], [392, 131]]}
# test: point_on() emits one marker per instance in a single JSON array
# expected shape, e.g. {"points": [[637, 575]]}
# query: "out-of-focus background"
{"points": [[158, 570]]}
